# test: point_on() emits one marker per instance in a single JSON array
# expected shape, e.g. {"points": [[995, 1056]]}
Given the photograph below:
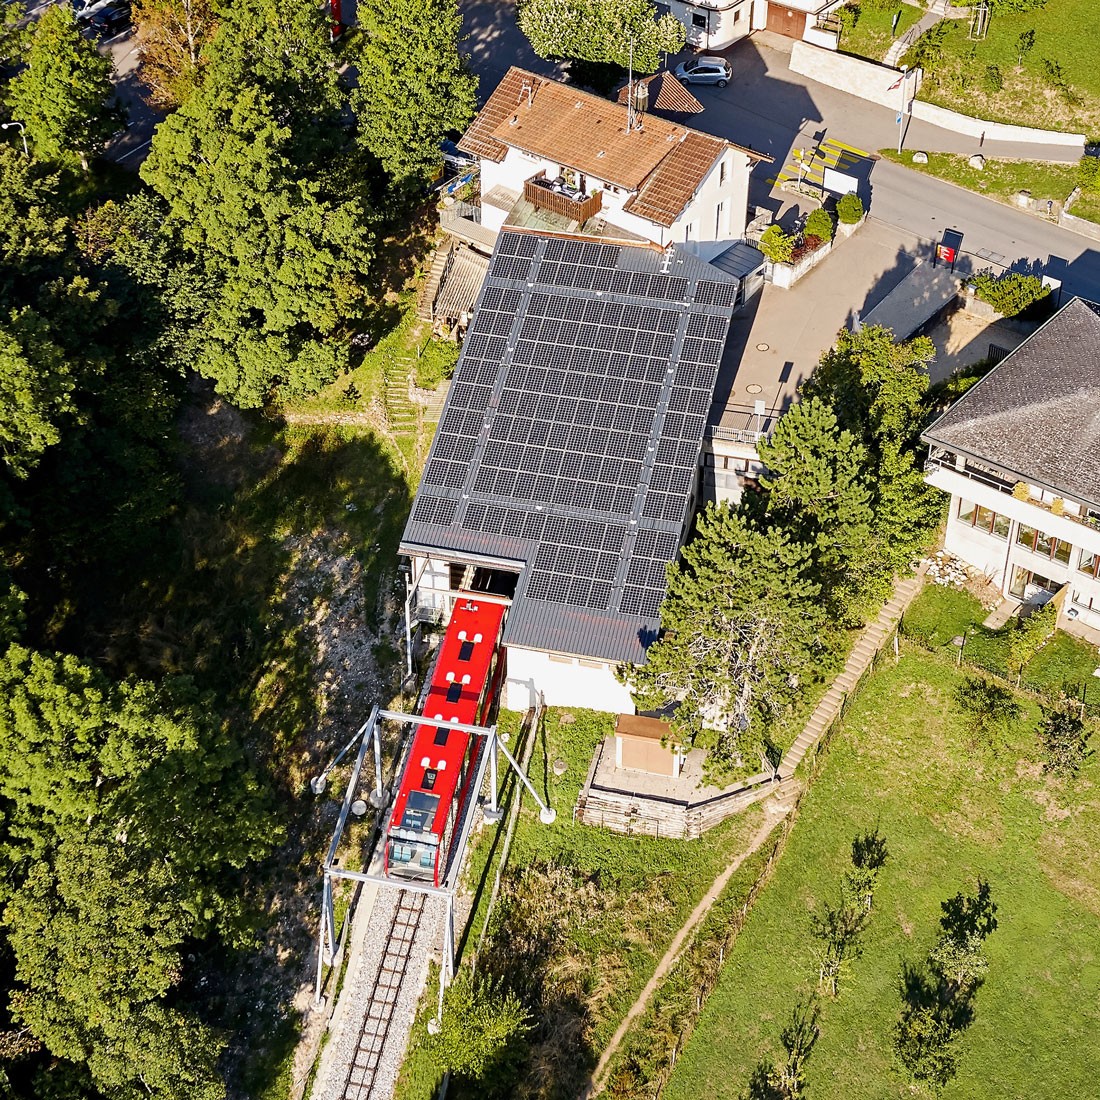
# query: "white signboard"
{"points": [[839, 183]]}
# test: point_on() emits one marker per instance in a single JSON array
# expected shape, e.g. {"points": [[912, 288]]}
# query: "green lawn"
{"points": [[950, 812], [635, 894], [871, 36], [1066, 33], [1087, 207], [1000, 179]]}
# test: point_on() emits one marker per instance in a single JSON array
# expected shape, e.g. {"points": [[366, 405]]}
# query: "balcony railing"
{"points": [[1002, 485], [557, 198]]}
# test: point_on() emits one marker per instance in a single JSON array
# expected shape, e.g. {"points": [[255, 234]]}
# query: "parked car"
{"points": [[455, 158], [705, 70], [85, 9], [109, 21]]}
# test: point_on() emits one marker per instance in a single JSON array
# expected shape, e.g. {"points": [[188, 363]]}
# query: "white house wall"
{"points": [[564, 682], [701, 214], [726, 22]]}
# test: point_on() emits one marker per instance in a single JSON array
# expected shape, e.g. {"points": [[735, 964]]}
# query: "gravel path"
{"points": [[355, 998]]}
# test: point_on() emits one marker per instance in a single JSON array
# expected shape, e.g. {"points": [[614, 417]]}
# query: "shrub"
{"points": [[849, 208], [819, 224], [847, 17], [1010, 293], [988, 706], [1029, 635], [1021, 491], [1063, 741], [992, 80], [1088, 174], [777, 245]]}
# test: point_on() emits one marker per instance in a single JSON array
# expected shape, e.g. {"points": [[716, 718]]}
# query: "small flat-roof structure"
{"points": [[918, 299], [646, 744], [1036, 416], [568, 449]]}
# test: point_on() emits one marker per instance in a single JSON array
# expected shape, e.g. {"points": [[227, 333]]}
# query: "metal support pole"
{"points": [[409, 590], [901, 108], [493, 772], [546, 815], [321, 933], [377, 764]]}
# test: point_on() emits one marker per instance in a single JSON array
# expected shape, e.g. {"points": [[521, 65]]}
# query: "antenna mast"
{"points": [[631, 121]]}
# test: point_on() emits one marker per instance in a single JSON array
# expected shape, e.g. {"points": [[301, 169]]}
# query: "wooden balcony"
{"points": [[575, 206]]}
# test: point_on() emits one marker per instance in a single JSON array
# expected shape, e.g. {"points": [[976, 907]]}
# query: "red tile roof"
{"points": [[662, 161], [666, 93]]}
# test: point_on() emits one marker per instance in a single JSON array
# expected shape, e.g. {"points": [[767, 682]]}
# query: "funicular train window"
{"points": [[465, 651], [426, 855], [430, 775], [441, 735], [420, 810], [454, 692], [402, 853]]}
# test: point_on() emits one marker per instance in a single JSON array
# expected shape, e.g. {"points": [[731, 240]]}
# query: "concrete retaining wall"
{"points": [[871, 81], [866, 79], [994, 131], [1078, 225]]}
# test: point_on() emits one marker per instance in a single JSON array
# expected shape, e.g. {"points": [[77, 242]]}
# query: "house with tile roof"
{"points": [[1019, 453], [556, 159]]}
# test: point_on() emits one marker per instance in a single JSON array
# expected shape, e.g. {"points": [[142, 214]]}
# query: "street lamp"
{"points": [[22, 134]]}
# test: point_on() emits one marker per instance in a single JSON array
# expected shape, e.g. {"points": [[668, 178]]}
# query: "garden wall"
{"points": [[866, 79], [871, 81], [1078, 225]]}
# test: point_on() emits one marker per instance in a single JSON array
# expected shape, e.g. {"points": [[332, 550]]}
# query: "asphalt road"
{"points": [[773, 110]]}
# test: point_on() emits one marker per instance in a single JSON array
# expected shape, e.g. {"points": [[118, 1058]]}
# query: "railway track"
{"points": [[359, 1084]]}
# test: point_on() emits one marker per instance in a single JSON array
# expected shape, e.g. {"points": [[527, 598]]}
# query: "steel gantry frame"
{"points": [[368, 735]]}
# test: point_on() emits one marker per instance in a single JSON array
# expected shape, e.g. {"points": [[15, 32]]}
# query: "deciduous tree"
{"points": [[404, 110], [1063, 741], [63, 97], [170, 36], [615, 31]]}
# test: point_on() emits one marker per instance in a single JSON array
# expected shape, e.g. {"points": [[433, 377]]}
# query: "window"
{"points": [[454, 692], [1089, 563], [441, 735], [983, 518], [698, 19], [430, 776], [972, 515], [722, 166], [1001, 525], [737, 16], [719, 218], [1039, 542], [1024, 583], [966, 512], [465, 651], [687, 231]]}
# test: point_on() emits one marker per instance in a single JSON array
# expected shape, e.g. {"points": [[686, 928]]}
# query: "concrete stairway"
{"points": [[874, 637]]}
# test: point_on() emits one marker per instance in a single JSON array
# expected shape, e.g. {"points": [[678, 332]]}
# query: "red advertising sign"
{"points": [[946, 253]]}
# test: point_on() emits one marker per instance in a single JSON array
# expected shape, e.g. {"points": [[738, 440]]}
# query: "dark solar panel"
{"points": [[573, 427]]}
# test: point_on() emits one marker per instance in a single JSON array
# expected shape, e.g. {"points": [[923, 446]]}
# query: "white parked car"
{"points": [[705, 70], [85, 9]]}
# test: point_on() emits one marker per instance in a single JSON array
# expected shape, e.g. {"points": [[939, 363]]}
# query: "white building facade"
{"points": [[1019, 454]]}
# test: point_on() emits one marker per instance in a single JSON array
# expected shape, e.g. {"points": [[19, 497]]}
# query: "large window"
{"points": [[1090, 564], [1025, 583], [984, 519], [1039, 542]]}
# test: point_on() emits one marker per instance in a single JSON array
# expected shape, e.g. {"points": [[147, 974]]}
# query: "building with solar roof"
{"points": [[556, 159], [565, 469]]}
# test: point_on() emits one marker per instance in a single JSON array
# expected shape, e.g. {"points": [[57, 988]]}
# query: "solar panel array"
{"points": [[571, 434]]}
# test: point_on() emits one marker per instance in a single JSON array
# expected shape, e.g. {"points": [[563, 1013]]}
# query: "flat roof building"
{"points": [[564, 472]]}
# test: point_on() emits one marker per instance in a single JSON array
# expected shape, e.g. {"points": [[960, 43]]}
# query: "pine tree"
{"points": [[876, 386], [741, 625], [817, 489], [63, 96], [405, 110]]}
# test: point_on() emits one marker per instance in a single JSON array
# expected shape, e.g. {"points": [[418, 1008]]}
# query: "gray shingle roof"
{"points": [[570, 440], [1036, 415]]}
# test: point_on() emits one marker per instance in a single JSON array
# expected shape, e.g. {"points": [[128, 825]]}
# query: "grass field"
{"points": [[950, 812], [999, 179], [1057, 85], [871, 36], [636, 890]]}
